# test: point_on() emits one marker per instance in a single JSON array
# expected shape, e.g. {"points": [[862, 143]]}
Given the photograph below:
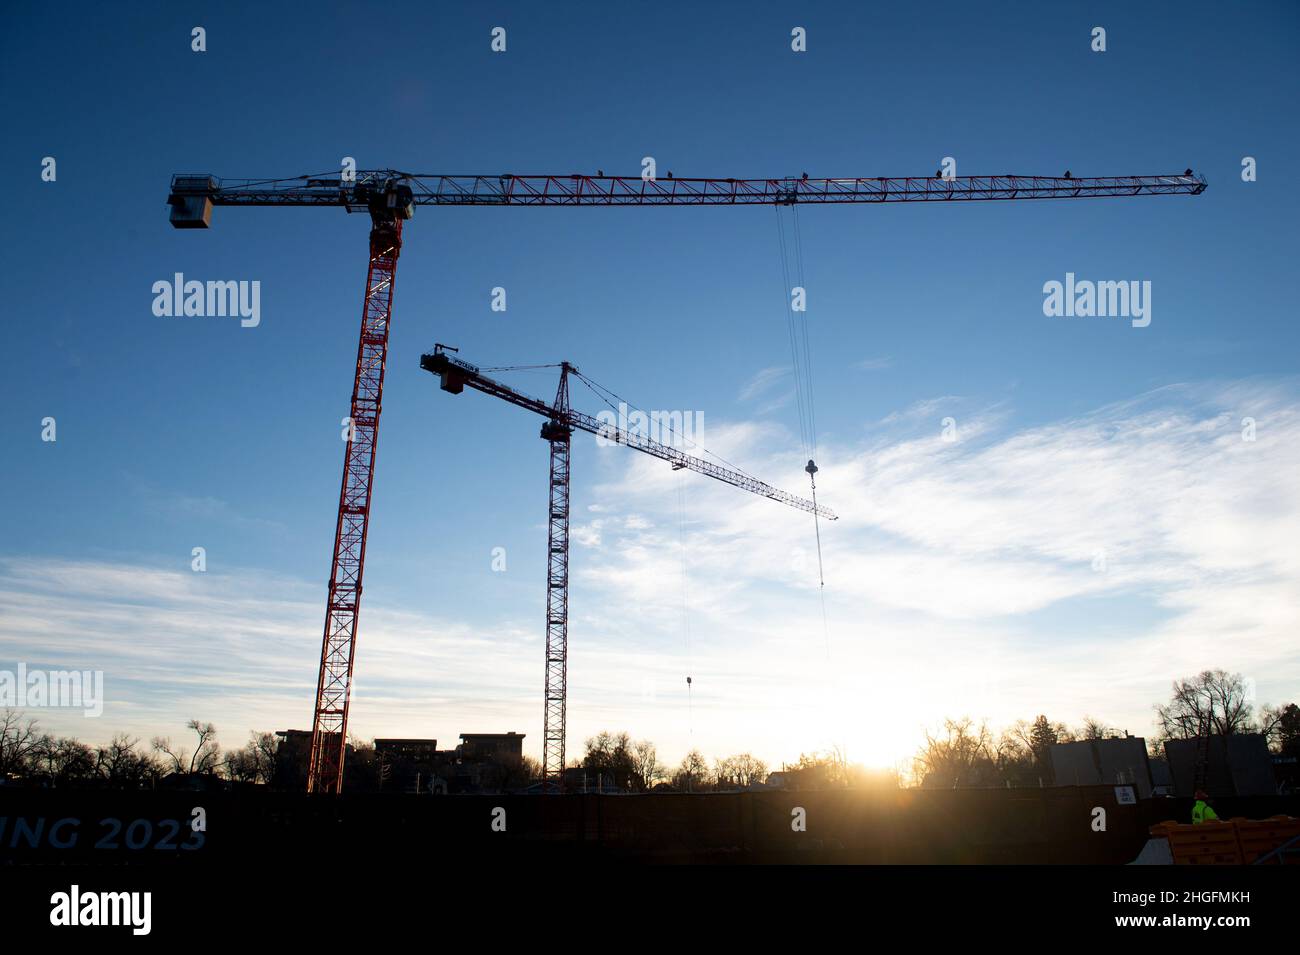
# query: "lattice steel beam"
{"points": [[338, 646]]}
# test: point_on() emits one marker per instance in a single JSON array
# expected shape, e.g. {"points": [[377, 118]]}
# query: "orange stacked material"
{"points": [[1210, 843], [1259, 837], [1234, 842]]}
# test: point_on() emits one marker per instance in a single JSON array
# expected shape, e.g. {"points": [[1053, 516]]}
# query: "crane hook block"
{"points": [[812, 467]]}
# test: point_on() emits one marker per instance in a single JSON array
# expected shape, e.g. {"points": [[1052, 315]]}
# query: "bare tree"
{"points": [[645, 761], [255, 762], [206, 755], [609, 755], [742, 770], [1011, 753], [1281, 727], [174, 756], [963, 755], [1212, 703], [532, 769], [18, 741], [1093, 729], [206, 751], [1039, 737], [64, 761], [1287, 735], [821, 770], [268, 755], [693, 773], [242, 765], [120, 764]]}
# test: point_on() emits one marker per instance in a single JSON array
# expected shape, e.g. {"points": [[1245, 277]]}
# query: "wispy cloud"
{"points": [[874, 364], [763, 381], [771, 387], [191, 507], [925, 409]]}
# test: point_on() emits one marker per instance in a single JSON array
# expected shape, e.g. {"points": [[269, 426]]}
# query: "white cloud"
{"points": [[588, 534], [1197, 528]]}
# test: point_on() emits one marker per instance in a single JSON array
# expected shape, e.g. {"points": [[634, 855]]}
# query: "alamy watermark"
{"points": [[209, 299], [1084, 299], [682, 430], [77, 689], [131, 909]]}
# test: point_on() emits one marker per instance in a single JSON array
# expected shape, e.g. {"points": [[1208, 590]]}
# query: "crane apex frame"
{"points": [[390, 197]]}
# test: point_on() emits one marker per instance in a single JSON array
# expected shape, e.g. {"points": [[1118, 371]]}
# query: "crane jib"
{"points": [[455, 375], [193, 196]]}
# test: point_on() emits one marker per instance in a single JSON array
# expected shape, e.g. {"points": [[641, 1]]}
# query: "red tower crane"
{"points": [[561, 422], [390, 198]]}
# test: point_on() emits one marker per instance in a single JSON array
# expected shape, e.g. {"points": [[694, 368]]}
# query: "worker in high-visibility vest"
{"points": [[1201, 811]]}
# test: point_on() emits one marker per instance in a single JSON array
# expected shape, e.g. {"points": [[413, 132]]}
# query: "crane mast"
{"points": [[561, 422], [557, 432], [343, 605], [390, 196]]}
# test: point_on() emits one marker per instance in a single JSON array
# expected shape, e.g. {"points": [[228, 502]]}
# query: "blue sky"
{"points": [[1076, 435]]}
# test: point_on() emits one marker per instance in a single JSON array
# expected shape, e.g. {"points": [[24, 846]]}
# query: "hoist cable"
{"points": [[787, 293], [807, 347], [821, 574], [686, 617]]}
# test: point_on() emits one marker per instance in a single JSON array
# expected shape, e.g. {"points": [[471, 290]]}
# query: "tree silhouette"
{"points": [[963, 755], [1212, 703], [645, 759], [1281, 725], [742, 770], [693, 773], [18, 742], [609, 756], [206, 756]]}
